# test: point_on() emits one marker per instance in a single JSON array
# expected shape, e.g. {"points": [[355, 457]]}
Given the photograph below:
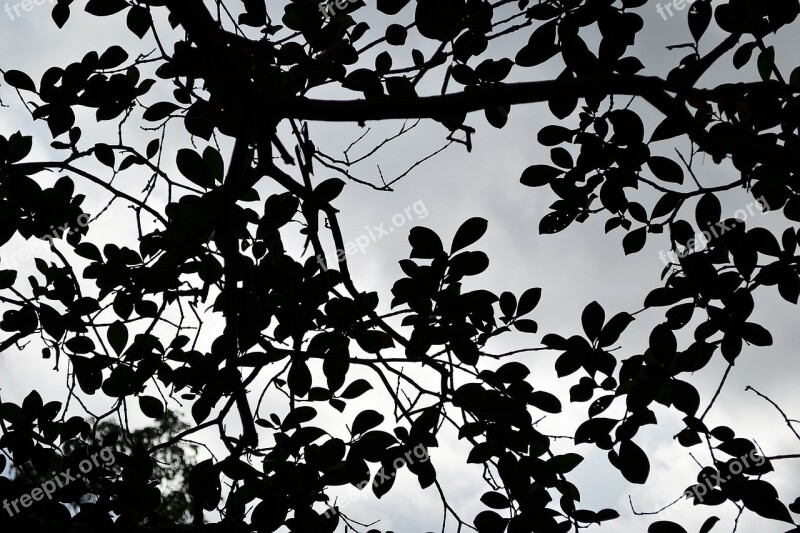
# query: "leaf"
{"points": [[665, 169], [391, 7], [138, 21], [526, 326], [495, 500], [758, 496], [104, 8], [214, 163], [439, 19], [193, 168], [201, 408], [396, 35], [104, 154], [614, 328], [766, 63], [634, 240], [508, 304], [297, 416], [204, 484], [160, 111], [563, 464], [80, 345], [365, 421], [556, 221], [151, 407], [270, 514], [667, 129], [490, 522], [592, 320], [528, 301], [32, 404], [709, 524], [60, 14], [601, 404], [541, 46], [425, 243], [7, 279], [497, 116], [468, 264], [708, 211], [743, 54], [374, 341], [628, 127], [737, 447], [117, 335], [545, 401], [113, 57], [539, 175], [356, 389], [699, 18], [665, 526], [19, 80], [632, 462], [384, 480], [755, 334], [607, 514], [468, 233], [299, 378], [328, 190], [685, 397]]}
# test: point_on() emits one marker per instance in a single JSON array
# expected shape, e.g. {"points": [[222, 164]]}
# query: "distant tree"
{"points": [[207, 307], [171, 463]]}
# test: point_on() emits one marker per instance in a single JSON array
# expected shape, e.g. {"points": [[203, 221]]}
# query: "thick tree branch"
{"points": [[667, 97], [651, 88], [228, 245]]}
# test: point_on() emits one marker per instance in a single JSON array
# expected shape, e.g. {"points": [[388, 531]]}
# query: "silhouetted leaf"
{"points": [[634, 241], [556, 221], [538, 175], [366, 420], [632, 462], [709, 524], [468, 233], [666, 169], [665, 526], [117, 335], [425, 243], [356, 389], [299, 378], [19, 80], [103, 8], [614, 328], [151, 407], [328, 190], [699, 18], [592, 320]]}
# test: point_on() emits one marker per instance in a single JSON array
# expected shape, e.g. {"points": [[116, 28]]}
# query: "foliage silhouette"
{"points": [[125, 321]]}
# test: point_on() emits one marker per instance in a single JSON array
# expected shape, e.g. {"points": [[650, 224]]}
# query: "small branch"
{"points": [[786, 418], [719, 390]]}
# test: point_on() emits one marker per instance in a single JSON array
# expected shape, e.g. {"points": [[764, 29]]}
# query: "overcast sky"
{"points": [[575, 267]]}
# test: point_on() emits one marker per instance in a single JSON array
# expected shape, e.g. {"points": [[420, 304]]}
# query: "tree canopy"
{"points": [[222, 287]]}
